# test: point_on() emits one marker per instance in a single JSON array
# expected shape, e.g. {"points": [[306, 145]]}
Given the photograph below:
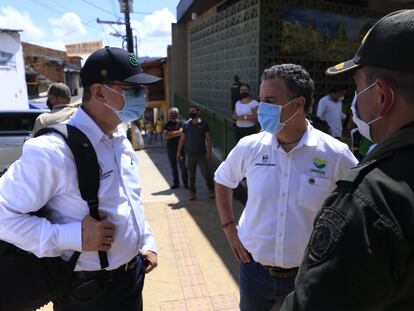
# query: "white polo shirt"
{"points": [[46, 175], [331, 112], [285, 191]]}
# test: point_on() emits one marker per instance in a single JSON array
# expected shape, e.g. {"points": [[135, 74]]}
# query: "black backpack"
{"points": [[28, 282]]}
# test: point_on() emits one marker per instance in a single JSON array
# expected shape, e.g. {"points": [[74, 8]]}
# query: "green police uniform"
{"points": [[361, 252]]}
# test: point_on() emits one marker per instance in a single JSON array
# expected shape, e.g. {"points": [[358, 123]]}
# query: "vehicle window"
{"points": [[18, 122]]}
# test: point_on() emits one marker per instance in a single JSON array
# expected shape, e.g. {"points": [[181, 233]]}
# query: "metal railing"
{"points": [[222, 128]]}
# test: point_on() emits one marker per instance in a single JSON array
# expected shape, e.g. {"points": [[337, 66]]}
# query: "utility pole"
{"points": [[126, 7]]}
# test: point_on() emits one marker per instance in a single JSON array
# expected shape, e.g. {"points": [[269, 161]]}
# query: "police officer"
{"points": [[58, 98], [360, 254], [290, 168], [46, 175]]}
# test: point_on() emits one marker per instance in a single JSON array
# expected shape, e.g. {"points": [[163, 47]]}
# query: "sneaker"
{"points": [[192, 197], [174, 186]]}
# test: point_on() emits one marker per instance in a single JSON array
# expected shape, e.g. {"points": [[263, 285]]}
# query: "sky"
{"points": [[54, 23]]}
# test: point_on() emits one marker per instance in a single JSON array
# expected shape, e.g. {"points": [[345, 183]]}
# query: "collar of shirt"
{"points": [[85, 123], [307, 139]]}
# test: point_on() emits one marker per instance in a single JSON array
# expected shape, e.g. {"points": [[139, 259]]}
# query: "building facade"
{"points": [[45, 66], [12, 74], [214, 40]]}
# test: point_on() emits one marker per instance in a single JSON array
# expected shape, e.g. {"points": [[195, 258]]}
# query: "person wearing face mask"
{"points": [[290, 168], [360, 255], [196, 138], [245, 113], [330, 110], [46, 175], [172, 133], [58, 98]]}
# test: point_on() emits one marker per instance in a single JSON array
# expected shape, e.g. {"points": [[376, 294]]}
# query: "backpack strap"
{"points": [[87, 168]]}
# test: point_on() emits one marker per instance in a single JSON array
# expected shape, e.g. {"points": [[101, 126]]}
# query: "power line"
{"points": [[99, 8]]}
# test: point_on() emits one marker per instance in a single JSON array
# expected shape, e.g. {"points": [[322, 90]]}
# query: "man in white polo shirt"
{"points": [[290, 168]]}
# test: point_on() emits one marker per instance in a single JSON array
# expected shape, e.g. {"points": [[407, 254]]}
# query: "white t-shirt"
{"points": [[245, 110], [285, 191], [331, 112]]}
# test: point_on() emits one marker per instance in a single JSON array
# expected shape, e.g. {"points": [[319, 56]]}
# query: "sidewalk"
{"points": [[197, 270]]}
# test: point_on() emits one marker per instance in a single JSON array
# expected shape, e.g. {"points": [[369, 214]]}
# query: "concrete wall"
{"points": [[178, 61], [13, 88]]}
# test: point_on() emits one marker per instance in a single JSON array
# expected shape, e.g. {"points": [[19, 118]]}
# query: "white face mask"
{"points": [[363, 127]]}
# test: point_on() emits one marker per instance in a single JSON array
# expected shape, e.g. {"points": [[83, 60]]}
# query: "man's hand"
{"points": [[97, 235], [151, 261], [236, 245], [179, 156]]}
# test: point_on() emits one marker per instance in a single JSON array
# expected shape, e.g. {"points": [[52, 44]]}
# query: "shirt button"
{"points": [[286, 174], [280, 234], [283, 194], [282, 214]]}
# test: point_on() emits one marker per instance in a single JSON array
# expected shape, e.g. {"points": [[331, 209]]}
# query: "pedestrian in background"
{"points": [[58, 99], [330, 110], [172, 133], [245, 113], [290, 168], [196, 138], [149, 126], [158, 130], [360, 254]]}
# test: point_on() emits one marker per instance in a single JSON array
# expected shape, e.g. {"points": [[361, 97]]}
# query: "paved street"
{"points": [[196, 270]]}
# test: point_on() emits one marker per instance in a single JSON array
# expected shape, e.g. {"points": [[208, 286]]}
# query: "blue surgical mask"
{"points": [[269, 117], [134, 105]]}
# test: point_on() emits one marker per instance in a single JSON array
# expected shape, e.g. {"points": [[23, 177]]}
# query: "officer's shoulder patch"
{"points": [[326, 235]]}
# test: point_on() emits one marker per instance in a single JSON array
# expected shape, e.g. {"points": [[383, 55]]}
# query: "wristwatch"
{"points": [[245, 117]]}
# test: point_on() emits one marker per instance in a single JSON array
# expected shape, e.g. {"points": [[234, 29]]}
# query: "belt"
{"points": [[104, 273], [278, 272]]}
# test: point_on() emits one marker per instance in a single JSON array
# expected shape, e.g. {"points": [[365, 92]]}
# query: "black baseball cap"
{"points": [[389, 44], [114, 64]]}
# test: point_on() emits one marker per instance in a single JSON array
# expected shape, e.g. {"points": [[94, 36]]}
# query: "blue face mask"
{"points": [[134, 105], [269, 117]]}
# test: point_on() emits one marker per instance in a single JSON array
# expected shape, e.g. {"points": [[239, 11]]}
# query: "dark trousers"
{"points": [[172, 157], [192, 161], [259, 291], [244, 131], [121, 291]]}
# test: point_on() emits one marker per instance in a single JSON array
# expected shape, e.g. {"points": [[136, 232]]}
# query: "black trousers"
{"points": [[117, 291], [172, 158], [244, 131]]}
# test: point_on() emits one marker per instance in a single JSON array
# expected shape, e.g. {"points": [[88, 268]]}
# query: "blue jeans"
{"points": [[121, 292], [259, 291]]}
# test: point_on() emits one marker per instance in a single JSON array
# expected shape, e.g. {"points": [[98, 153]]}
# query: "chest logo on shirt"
{"points": [[102, 174], [265, 161], [319, 165]]}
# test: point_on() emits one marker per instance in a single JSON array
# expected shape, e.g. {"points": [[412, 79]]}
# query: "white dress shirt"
{"points": [[46, 175], [331, 112], [285, 191]]}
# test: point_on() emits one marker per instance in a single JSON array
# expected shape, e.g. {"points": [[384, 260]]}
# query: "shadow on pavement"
{"points": [[203, 210]]}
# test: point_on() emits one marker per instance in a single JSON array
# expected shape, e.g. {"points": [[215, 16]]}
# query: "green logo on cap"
{"points": [[133, 60]]}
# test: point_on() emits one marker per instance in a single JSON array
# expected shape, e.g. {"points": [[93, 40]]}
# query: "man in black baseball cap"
{"points": [[113, 94], [360, 254]]}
